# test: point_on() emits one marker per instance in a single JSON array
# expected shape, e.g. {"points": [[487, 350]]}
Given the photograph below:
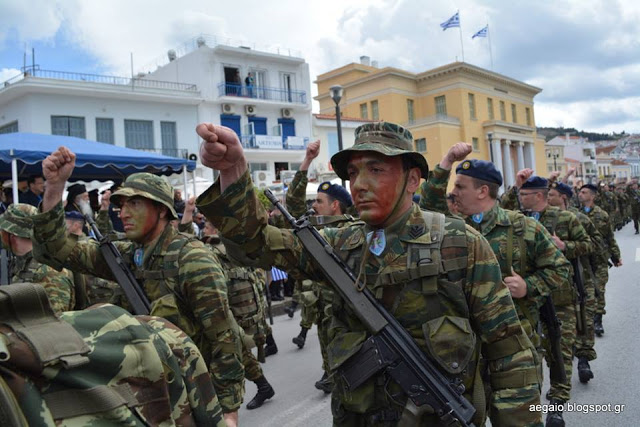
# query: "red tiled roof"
{"points": [[605, 150], [619, 162], [568, 160], [333, 117]]}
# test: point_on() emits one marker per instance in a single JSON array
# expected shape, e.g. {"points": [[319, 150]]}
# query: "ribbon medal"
{"points": [[138, 255], [477, 218], [378, 243]]}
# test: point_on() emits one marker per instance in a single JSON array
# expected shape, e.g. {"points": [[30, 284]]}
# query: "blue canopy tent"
{"points": [[21, 154]]}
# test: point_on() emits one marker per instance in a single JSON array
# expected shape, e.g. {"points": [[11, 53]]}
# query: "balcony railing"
{"points": [[274, 142], [180, 153], [437, 118], [135, 82], [261, 92]]}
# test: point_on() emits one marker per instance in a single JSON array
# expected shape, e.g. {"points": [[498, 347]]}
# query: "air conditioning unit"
{"points": [[228, 109], [250, 110], [287, 113], [263, 179], [286, 176]]}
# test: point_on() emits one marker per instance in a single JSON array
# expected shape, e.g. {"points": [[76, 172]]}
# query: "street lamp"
{"points": [[336, 95], [554, 154]]}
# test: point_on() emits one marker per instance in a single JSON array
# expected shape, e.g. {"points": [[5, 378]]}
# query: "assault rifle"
{"points": [[125, 278], [5, 267], [578, 280], [390, 348], [549, 317]]}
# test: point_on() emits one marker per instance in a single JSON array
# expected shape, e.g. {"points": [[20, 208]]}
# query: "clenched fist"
{"points": [[455, 154], [220, 148], [523, 175], [313, 149], [58, 167]]}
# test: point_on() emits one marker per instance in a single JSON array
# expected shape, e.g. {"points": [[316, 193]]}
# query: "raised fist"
{"points": [[190, 206], [58, 167], [456, 153], [220, 148], [313, 149], [522, 176]]}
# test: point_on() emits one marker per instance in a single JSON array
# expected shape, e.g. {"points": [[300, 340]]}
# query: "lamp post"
{"points": [[554, 154], [336, 95]]}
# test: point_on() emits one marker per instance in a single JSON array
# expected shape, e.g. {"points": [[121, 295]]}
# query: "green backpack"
{"points": [[100, 366]]}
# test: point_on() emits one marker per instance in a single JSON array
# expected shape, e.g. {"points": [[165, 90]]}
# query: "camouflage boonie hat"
{"points": [[385, 138], [150, 187], [17, 219]]}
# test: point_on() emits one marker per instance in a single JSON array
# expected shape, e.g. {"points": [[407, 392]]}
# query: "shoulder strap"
{"points": [[170, 267], [517, 227]]}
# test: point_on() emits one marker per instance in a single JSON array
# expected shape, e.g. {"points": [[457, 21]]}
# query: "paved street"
{"points": [[293, 372]]}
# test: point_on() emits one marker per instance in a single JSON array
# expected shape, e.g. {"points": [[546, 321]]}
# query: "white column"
{"points": [[520, 152], [497, 159], [530, 155], [508, 164]]}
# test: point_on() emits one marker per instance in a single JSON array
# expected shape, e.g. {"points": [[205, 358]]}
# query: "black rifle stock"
{"points": [[5, 267], [125, 278], [390, 347], [549, 317], [267, 294], [578, 279]]}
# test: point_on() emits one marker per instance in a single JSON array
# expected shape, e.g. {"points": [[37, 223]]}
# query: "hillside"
{"points": [[550, 133]]}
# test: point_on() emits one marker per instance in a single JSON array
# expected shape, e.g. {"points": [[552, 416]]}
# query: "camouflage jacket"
{"points": [[183, 280], [634, 198], [57, 284], [476, 300], [296, 199], [589, 262], [602, 222], [95, 289], [433, 191]]}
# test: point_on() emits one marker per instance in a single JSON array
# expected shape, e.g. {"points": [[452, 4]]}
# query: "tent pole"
{"points": [[193, 176], [184, 177], [14, 179]]}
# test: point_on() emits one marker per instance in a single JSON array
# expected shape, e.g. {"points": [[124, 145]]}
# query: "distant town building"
{"points": [[564, 152]]}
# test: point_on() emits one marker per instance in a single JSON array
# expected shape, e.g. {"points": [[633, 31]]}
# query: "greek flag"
{"points": [[454, 21], [278, 274], [481, 33]]}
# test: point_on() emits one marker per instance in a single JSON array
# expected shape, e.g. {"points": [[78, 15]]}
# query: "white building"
{"points": [[159, 110], [577, 152]]}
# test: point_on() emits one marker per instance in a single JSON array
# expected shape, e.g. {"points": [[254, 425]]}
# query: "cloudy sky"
{"points": [[584, 54]]}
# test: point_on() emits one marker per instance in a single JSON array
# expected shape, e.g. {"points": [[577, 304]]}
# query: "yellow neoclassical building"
{"points": [[452, 103]]}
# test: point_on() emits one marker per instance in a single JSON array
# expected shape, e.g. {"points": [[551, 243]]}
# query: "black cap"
{"points": [[480, 169]]}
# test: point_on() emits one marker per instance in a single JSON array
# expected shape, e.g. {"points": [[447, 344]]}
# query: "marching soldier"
{"points": [[456, 299]]}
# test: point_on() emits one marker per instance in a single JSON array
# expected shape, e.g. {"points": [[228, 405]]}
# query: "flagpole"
{"points": [[490, 52], [460, 28]]}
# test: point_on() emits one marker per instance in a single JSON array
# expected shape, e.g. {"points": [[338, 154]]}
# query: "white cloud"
{"points": [[32, 20], [8, 73]]}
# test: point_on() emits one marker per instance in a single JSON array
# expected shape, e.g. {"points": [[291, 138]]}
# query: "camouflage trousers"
{"points": [[317, 309], [252, 368], [602, 277], [635, 216], [567, 316], [585, 342]]}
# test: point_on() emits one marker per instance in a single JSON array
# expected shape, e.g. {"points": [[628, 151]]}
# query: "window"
{"points": [[104, 131], [503, 112], [421, 145], [257, 167], [441, 105], [68, 126], [490, 108], [410, 114], [527, 115], [138, 134], [169, 139], [9, 128], [472, 106], [333, 143], [513, 113], [475, 144], [364, 113], [294, 166], [375, 114]]}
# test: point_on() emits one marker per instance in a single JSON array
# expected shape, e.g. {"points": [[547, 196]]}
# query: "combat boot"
{"points": [[597, 325], [271, 348], [584, 370], [325, 384], [291, 309], [301, 338], [265, 391], [554, 418]]}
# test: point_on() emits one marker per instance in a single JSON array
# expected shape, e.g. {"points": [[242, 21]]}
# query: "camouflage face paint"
{"points": [[375, 181], [140, 219]]}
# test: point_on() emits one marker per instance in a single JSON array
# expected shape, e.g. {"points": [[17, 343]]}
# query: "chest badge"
{"points": [[587, 209], [138, 256], [378, 241], [535, 215], [477, 218]]}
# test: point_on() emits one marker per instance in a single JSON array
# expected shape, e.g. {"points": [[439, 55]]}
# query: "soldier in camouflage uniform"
{"points": [[532, 266], [89, 289], [181, 277], [571, 238], [113, 369], [634, 198], [15, 226], [331, 204], [560, 195], [455, 308], [602, 222]]}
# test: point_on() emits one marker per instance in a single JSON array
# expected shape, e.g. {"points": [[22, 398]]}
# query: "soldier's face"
{"points": [[139, 217], [209, 229], [555, 198], [586, 196], [323, 205], [376, 182], [466, 195]]}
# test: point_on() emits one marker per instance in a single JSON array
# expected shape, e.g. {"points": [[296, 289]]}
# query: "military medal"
{"points": [[477, 218], [378, 241], [138, 255]]}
